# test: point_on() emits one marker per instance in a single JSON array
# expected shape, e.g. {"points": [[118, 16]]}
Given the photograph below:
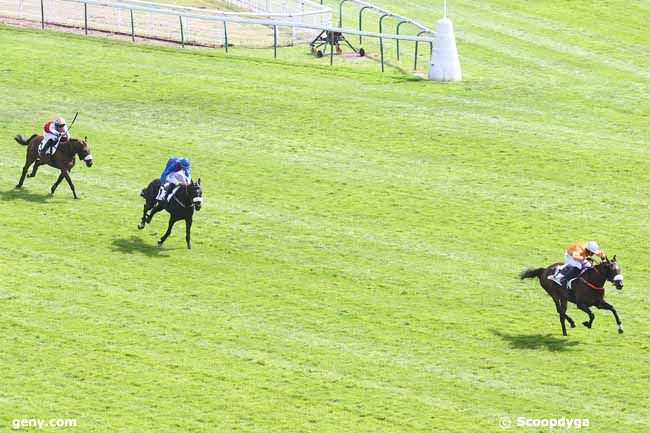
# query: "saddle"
{"points": [[172, 194]]}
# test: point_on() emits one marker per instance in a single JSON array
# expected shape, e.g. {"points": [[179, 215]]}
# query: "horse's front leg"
{"points": [[605, 306], [164, 237], [591, 315], [56, 184], [66, 174], [188, 228]]}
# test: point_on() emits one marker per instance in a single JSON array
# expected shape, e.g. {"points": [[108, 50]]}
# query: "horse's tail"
{"points": [[22, 140], [531, 273]]}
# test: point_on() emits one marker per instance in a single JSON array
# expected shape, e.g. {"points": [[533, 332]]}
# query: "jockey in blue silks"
{"points": [[177, 172]]}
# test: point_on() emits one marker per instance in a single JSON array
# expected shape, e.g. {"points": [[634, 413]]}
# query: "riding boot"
{"points": [[46, 148], [163, 193]]}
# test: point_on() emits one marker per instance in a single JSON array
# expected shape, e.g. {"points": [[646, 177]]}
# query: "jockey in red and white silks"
{"points": [[53, 131]]}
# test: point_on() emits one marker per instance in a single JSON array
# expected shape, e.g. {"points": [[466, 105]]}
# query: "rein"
{"points": [[593, 286], [179, 202]]}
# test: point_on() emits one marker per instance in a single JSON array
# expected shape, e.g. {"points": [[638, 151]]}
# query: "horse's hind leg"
{"points": [[154, 210], [28, 162], [558, 307], [143, 220], [570, 320], [35, 169], [605, 306], [562, 311], [589, 313]]}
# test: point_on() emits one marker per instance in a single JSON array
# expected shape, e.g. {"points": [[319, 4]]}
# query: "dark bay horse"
{"points": [[587, 290], [180, 206], [63, 159]]}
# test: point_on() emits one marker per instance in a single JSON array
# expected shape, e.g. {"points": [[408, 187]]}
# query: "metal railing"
{"points": [[385, 13], [275, 25]]}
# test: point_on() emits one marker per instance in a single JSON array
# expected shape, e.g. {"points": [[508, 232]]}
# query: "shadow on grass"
{"points": [[22, 194], [537, 341], [136, 245]]}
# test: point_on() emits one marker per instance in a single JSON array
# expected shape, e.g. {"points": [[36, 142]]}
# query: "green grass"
{"points": [[355, 264]]}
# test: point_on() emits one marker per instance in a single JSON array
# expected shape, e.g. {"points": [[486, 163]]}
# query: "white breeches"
{"points": [[177, 178], [47, 136], [570, 261]]}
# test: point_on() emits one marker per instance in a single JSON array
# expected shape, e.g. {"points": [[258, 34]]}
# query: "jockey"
{"points": [[177, 172], [575, 260], [54, 131]]}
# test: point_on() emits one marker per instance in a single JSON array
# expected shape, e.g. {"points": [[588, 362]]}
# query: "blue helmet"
{"points": [[184, 163]]}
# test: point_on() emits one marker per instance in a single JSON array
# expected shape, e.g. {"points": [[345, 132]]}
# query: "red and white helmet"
{"points": [[60, 121]]}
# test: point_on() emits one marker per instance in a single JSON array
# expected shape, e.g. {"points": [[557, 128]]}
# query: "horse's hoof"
{"points": [[160, 243], [573, 325], [18, 186], [620, 330], [587, 324], [141, 226]]}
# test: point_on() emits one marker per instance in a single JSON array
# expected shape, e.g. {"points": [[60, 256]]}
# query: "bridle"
{"points": [[194, 200]]}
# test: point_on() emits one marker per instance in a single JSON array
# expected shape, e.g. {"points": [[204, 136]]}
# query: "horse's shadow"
{"points": [[136, 245], [22, 194], [537, 341]]}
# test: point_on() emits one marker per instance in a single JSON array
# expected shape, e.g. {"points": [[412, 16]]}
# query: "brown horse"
{"points": [[63, 159], [587, 290]]}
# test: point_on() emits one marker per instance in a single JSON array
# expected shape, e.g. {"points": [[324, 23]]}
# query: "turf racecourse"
{"points": [[355, 262]]}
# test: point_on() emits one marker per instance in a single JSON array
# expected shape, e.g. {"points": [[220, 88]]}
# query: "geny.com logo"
{"points": [[42, 423], [568, 423]]}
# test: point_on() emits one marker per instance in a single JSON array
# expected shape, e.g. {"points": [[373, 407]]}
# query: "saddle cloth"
{"points": [[171, 194], [51, 151], [569, 284]]}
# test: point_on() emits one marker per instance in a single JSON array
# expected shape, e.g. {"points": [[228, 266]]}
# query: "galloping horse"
{"points": [[63, 159], [180, 206], [587, 290]]}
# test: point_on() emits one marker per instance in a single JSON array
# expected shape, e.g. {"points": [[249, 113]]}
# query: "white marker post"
{"points": [[445, 65]]}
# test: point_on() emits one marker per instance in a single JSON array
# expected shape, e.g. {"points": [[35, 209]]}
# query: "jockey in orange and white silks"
{"points": [[575, 260], [53, 131]]}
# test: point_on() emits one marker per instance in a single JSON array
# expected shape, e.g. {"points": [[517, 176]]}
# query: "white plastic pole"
{"points": [[445, 65]]}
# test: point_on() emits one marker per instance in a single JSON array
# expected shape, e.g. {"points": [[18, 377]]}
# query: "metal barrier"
{"points": [[227, 21]]}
